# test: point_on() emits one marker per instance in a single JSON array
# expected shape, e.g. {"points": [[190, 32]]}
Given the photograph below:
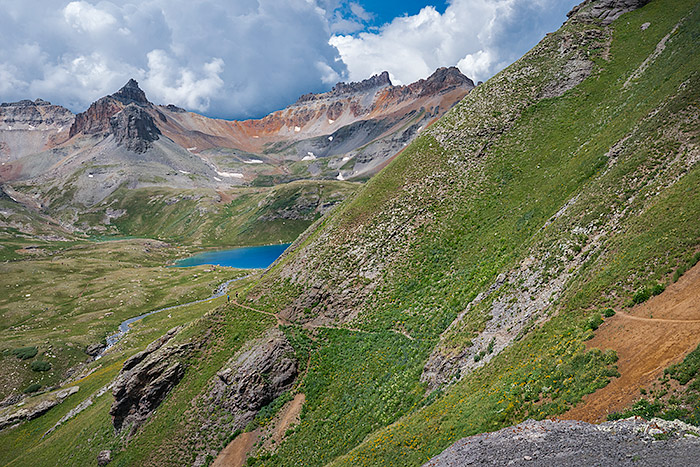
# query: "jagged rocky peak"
{"points": [[131, 92], [605, 11], [444, 78], [134, 129], [375, 82], [450, 75], [96, 119]]}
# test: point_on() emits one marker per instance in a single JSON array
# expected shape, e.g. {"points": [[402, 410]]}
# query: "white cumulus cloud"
{"points": [[246, 58], [478, 36], [224, 58]]}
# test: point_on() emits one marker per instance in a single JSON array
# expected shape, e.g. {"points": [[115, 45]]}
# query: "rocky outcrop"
{"points": [[570, 443], [255, 377], [145, 380], [134, 129], [95, 349], [13, 415], [605, 11], [104, 457]]}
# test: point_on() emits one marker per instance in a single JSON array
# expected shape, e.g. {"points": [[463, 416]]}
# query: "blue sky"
{"points": [[246, 58], [383, 12]]}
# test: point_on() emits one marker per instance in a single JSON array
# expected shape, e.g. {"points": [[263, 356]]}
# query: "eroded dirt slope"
{"points": [[647, 338]]}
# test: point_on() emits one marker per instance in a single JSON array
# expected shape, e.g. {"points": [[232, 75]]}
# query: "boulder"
{"points": [[104, 457]]}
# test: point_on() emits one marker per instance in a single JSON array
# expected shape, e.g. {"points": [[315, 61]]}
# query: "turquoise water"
{"points": [[252, 257]]}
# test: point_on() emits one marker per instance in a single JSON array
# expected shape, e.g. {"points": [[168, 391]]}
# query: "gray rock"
{"points": [[12, 399], [573, 443], [134, 128], [104, 457], [605, 11], [29, 412], [255, 377], [94, 349], [145, 380]]}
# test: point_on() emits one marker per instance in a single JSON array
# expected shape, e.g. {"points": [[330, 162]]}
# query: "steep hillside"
{"points": [[558, 188], [456, 291]]}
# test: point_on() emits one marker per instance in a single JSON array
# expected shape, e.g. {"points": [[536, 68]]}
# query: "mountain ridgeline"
{"points": [[82, 169], [507, 266]]}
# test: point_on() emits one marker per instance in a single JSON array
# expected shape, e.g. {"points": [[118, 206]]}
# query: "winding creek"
{"points": [[125, 326], [256, 257]]}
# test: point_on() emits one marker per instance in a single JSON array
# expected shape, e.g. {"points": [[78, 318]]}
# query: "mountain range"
{"points": [[347, 133]]}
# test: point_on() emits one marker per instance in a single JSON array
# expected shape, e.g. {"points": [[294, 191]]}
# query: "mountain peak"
{"points": [[376, 81], [131, 92]]}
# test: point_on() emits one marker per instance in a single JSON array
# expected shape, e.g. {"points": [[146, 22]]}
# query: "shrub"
{"points": [[608, 312], [25, 353], [489, 349], [641, 296], [39, 365], [594, 321], [658, 289], [32, 388], [686, 370]]}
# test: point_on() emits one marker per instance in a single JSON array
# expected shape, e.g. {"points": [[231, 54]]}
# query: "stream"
{"points": [[125, 326]]}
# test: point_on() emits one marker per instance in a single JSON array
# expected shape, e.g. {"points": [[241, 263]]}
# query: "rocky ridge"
{"points": [[28, 126]]}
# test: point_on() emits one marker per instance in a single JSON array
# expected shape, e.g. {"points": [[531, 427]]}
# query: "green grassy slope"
{"points": [[588, 195], [242, 216]]}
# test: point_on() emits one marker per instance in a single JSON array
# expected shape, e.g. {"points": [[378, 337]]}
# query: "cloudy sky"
{"points": [[245, 58]]}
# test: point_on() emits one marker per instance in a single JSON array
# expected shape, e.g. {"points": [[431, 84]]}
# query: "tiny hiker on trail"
{"points": [[228, 298]]}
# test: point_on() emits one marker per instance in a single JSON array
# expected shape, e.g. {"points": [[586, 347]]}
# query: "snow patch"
{"points": [[183, 172], [192, 149], [330, 122], [346, 158], [253, 161], [217, 179], [340, 177], [90, 175], [310, 156], [256, 136], [330, 138], [297, 129], [229, 174]]}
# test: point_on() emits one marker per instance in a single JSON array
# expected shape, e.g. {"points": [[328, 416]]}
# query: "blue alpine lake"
{"points": [[253, 257]]}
